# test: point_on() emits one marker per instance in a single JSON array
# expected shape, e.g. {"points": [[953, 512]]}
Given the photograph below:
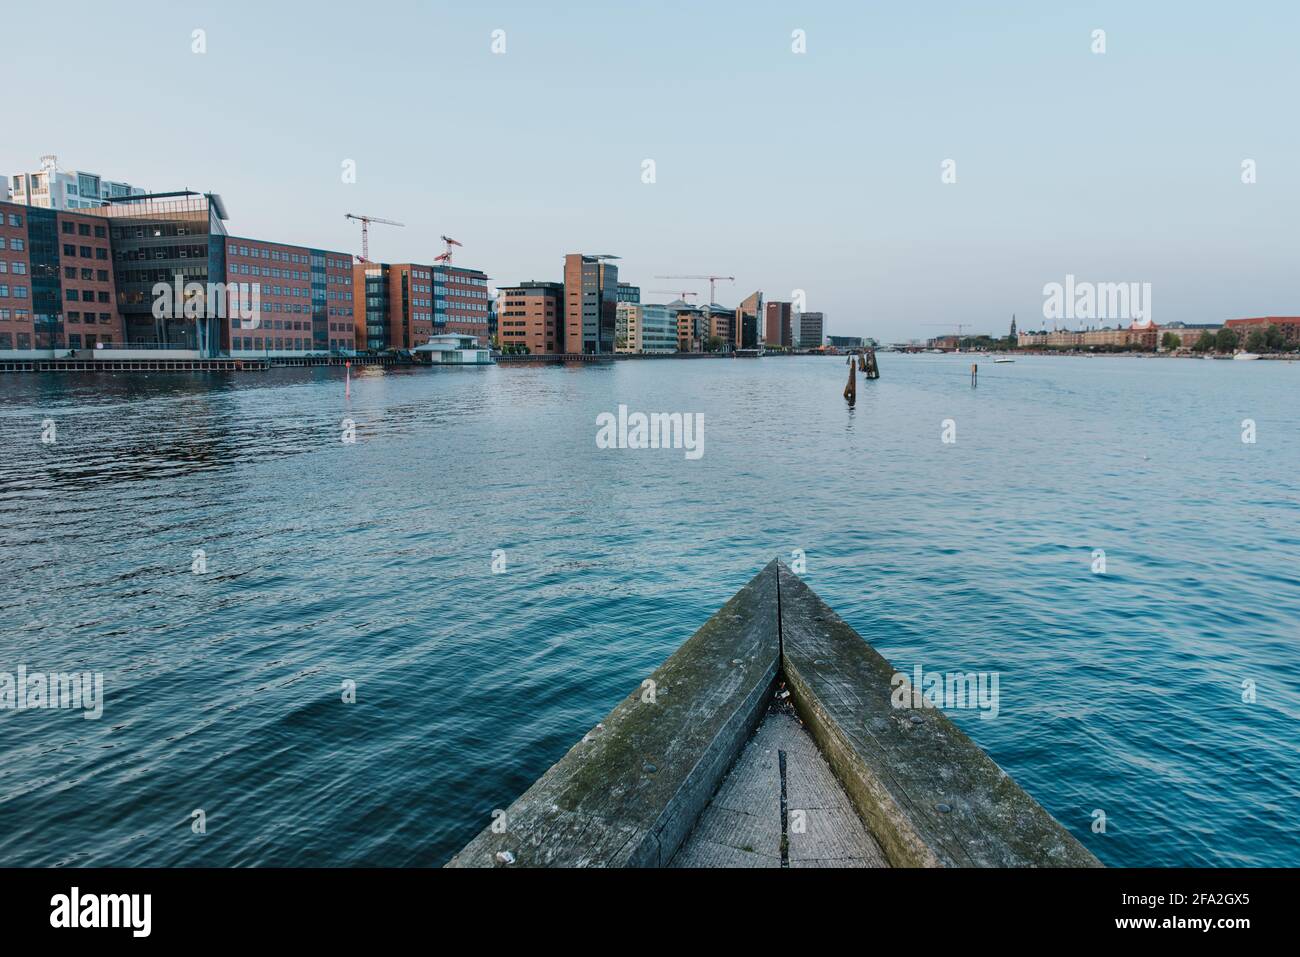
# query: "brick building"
{"points": [[305, 299], [1289, 326], [531, 315], [56, 282], [461, 301], [776, 325]]}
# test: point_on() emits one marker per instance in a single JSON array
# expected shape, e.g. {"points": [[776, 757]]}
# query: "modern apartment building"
{"points": [[808, 329], [590, 303], [628, 292], [53, 188], [461, 302], [304, 297], [645, 327], [531, 315], [777, 326]]}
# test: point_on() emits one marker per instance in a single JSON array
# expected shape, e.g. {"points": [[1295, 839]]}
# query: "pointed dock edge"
{"points": [[629, 793], [927, 792]]}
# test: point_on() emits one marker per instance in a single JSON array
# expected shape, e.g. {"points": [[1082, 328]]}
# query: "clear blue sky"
{"points": [[818, 171]]}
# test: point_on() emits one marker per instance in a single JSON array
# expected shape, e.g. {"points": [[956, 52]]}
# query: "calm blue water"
{"points": [[373, 562]]}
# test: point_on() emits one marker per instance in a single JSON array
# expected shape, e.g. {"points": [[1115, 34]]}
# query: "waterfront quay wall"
{"points": [[629, 793], [188, 362]]}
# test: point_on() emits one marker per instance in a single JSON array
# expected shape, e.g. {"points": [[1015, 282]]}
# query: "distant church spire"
{"points": [[1013, 325]]}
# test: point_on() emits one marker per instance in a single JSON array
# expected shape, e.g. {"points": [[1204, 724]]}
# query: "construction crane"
{"points": [[673, 292], [365, 222], [959, 326], [446, 257], [712, 281]]}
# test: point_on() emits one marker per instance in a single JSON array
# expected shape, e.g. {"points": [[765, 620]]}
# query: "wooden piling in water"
{"points": [[869, 366], [851, 390], [974, 374]]}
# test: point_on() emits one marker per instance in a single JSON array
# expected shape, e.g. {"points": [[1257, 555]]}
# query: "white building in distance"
{"points": [[54, 188]]}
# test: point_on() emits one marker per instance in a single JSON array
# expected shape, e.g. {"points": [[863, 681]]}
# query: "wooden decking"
{"points": [[780, 806]]}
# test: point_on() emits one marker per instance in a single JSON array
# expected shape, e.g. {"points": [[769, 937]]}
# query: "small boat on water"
{"points": [[1245, 356], [1001, 359]]}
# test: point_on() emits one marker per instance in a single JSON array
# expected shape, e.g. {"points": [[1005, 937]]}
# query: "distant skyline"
{"points": [[818, 171]]}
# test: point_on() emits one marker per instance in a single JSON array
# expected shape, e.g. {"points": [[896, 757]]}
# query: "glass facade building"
{"points": [[166, 238]]}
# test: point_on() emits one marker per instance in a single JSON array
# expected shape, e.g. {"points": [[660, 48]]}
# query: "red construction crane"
{"points": [[365, 222], [446, 257], [712, 280]]}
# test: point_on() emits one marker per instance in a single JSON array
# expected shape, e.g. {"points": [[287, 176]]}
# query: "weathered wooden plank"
{"points": [[630, 791], [929, 794]]}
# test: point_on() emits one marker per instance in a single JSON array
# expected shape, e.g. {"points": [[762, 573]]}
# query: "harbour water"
{"points": [[373, 562]]}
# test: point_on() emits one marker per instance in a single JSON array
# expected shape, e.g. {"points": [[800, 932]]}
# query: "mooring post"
{"points": [[873, 370], [862, 363], [851, 390], [974, 374]]}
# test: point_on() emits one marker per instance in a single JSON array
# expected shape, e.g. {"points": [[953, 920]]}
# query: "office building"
{"points": [[692, 327], [395, 305], [460, 302], [56, 282], [590, 303], [776, 326], [645, 328], [530, 317], [808, 329], [169, 238], [721, 323], [304, 299], [745, 331], [845, 342]]}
